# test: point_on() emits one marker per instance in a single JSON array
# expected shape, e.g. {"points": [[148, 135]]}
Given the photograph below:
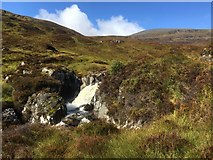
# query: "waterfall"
{"points": [[85, 96], [85, 107]]}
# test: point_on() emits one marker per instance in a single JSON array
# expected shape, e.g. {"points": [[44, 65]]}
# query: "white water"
{"points": [[84, 97]]}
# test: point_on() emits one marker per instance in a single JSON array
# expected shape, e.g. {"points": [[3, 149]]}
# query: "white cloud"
{"points": [[118, 26], [73, 18]]}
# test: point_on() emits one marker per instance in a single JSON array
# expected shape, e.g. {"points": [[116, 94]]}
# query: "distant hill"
{"points": [[175, 35]]}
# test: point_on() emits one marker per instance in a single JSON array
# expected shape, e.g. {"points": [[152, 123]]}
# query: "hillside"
{"points": [[181, 36], [16, 31], [26, 37], [65, 95]]}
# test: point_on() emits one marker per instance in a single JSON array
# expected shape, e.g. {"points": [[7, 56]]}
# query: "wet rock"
{"points": [[88, 107], [70, 84], [44, 107], [75, 118], [83, 114], [91, 79], [71, 121]]}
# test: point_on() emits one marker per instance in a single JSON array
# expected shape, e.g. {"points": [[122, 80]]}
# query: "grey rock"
{"points": [[92, 78], [9, 116], [44, 107]]}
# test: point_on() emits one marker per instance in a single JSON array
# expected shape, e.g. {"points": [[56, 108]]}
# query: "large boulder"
{"points": [[44, 107]]}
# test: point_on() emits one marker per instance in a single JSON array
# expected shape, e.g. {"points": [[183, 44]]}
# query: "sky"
{"points": [[110, 18]]}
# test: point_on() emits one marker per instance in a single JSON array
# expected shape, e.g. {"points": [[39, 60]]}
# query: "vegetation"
{"points": [[165, 85], [154, 87], [116, 66], [173, 136]]}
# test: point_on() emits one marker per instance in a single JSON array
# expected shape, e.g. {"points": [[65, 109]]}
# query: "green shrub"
{"points": [[6, 92], [116, 66]]}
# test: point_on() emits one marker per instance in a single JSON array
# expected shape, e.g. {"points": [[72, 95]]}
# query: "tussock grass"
{"points": [[173, 136]]}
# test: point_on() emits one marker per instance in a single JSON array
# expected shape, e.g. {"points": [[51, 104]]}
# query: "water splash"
{"points": [[85, 96]]}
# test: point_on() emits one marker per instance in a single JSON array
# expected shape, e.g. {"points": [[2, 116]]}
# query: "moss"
{"points": [[132, 85]]}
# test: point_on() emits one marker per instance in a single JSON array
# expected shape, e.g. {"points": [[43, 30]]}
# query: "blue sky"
{"points": [[140, 15]]}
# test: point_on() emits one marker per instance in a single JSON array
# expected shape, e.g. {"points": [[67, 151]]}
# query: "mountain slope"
{"points": [[30, 39], [34, 34], [175, 35]]}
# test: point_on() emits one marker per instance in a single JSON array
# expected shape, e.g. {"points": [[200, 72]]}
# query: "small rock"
{"points": [[22, 63], [84, 120], [9, 116], [48, 71], [71, 120], [88, 107]]}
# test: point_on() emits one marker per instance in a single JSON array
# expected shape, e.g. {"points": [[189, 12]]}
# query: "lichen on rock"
{"points": [[44, 107]]}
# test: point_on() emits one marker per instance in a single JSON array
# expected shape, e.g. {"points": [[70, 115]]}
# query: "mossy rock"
{"points": [[44, 107]]}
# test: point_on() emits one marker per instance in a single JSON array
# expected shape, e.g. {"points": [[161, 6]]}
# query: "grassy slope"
{"points": [[177, 134], [173, 136]]}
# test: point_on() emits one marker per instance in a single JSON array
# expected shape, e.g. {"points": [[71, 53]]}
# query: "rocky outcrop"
{"points": [[44, 107], [60, 81], [70, 84], [101, 112], [85, 107], [48, 104], [92, 78]]}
